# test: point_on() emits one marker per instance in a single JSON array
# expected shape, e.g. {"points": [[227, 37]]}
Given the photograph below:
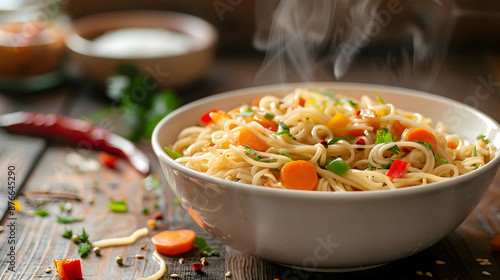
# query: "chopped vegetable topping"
{"points": [[383, 136], [337, 166], [338, 121], [205, 250], [394, 149], [118, 206], [398, 169], [171, 153], [173, 242], [438, 159], [299, 175], [335, 140], [67, 233], [68, 269], [197, 266], [249, 152], [380, 100], [68, 219], [42, 213], [284, 130], [206, 119]]}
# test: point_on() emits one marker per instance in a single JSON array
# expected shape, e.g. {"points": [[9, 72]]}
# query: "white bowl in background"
{"points": [[329, 230]]}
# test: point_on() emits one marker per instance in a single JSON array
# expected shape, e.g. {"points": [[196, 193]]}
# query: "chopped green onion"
{"points": [[171, 153], [380, 100], [483, 137], [269, 116], [285, 130], [118, 206], [69, 219], [67, 233], [438, 159], [335, 140], [42, 213], [249, 152], [337, 166], [145, 210]]}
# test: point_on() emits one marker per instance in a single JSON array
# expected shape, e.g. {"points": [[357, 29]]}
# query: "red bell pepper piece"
{"points": [[206, 119], [398, 169], [107, 159], [68, 269]]}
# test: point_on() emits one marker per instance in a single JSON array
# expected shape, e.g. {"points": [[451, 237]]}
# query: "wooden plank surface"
{"points": [[44, 167]]}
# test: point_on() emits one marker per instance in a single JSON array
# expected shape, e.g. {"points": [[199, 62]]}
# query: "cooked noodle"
{"points": [[212, 149]]}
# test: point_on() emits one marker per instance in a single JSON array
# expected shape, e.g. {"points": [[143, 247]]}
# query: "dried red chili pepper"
{"points": [[78, 131], [197, 266]]}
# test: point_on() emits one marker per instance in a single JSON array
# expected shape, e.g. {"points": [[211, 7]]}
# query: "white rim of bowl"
{"points": [[320, 194], [78, 44]]}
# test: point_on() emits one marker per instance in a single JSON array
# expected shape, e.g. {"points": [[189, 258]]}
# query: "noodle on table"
{"points": [[318, 126]]}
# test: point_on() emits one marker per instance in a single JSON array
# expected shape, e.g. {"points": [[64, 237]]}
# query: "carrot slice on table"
{"points": [[422, 135], [173, 242], [299, 175], [68, 269], [246, 137]]}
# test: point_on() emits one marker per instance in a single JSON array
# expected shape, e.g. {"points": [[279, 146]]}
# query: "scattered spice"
{"points": [[197, 266], [143, 246], [119, 260], [420, 273], [97, 251], [428, 274], [173, 275], [440, 262], [181, 260], [203, 261], [484, 272], [48, 270], [228, 274]]}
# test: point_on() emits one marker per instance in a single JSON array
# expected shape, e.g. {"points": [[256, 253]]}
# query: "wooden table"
{"points": [[41, 168]]}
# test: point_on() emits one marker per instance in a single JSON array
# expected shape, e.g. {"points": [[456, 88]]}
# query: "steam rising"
{"points": [[405, 40]]}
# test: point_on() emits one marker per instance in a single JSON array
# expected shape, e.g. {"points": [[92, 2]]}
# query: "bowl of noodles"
{"points": [[325, 175]]}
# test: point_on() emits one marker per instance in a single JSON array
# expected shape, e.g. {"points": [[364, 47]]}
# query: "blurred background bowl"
{"points": [[329, 230], [169, 70]]}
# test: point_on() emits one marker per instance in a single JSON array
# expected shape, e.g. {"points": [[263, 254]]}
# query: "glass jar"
{"points": [[31, 44]]}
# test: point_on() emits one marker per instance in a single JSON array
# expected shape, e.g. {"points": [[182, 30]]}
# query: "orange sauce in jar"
{"points": [[30, 48]]}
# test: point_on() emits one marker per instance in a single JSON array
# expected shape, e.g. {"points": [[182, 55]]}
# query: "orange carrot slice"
{"points": [[452, 145], [245, 137], [423, 135], [267, 123], [299, 175], [173, 242]]}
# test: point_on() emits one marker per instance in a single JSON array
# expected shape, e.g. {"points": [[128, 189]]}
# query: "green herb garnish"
{"points": [[205, 250], [269, 116], [145, 210], [84, 249], [177, 201], [383, 136], [387, 165], [438, 159], [249, 152], [68, 219], [483, 137], [42, 213], [337, 166], [346, 100], [394, 149], [67, 233], [370, 167], [171, 153], [284, 154], [380, 100], [335, 140], [285, 130], [118, 206]]}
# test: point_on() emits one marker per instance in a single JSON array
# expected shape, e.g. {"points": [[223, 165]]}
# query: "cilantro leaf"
{"points": [[335, 140], [387, 165], [394, 149], [84, 249], [438, 159], [383, 136], [171, 153]]}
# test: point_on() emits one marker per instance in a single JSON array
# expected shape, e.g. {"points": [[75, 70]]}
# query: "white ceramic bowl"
{"points": [[169, 70], [324, 231]]}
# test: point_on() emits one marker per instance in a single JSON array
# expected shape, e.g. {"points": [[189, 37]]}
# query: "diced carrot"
{"points": [[68, 269], [267, 123], [256, 101], [355, 132], [302, 102], [107, 159], [495, 243], [452, 145], [173, 242], [397, 129], [299, 175], [339, 120], [423, 135], [245, 137]]}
